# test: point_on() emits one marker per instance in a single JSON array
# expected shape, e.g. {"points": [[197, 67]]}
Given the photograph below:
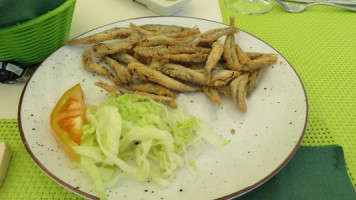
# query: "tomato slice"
{"points": [[67, 119]]}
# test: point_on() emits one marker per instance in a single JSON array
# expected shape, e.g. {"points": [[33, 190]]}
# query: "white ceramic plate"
{"points": [[266, 136]]}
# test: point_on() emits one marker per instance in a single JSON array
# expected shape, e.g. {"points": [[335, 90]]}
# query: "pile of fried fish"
{"points": [[158, 61]]}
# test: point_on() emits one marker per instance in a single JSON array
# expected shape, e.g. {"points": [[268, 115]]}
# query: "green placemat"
{"points": [[25, 180], [320, 43]]}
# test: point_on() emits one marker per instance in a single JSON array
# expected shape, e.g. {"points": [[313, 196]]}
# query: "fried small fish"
{"points": [[212, 94], [146, 73], [91, 66], [223, 77], [111, 34], [213, 58], [183, 73], [237, 87], [122, 72]]}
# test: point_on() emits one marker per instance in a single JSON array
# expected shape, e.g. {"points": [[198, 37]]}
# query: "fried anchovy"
{"points": [[101, 49], [187, 58], [183, 73], [223, 77], [124, 57], [254, 80], [150, 88], [147, 73], [213, 58], [91, 66], [212, 94], [265, 60], [169, 101], [111, 34], [122, 72], [237, 87]]}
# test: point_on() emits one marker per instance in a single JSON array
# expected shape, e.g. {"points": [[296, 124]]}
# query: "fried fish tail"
{"points": [[212, 94]]}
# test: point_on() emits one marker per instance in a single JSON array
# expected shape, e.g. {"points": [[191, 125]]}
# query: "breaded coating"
{"points": [[159, 51], [91, 66], [169, 101], [212, 94], [223, 77], [213, 58], [149, 74], [122, 72], [111, 34], [101, 49], [150, 88], [255, 79], [237, 87], [264, 60], [123, 57], [187, 58], [183, 73]]}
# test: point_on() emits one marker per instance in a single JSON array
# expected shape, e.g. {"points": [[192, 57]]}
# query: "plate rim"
{"points": [[232, 195]]}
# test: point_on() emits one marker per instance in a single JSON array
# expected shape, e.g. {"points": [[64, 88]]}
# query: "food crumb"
{"points": [[232, 131], [280, 62]]}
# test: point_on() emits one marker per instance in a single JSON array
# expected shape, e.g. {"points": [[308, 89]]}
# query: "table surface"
{"points": [[319, 43]]}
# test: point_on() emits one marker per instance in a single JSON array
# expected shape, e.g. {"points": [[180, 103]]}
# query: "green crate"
{"points": [[32, 41]]}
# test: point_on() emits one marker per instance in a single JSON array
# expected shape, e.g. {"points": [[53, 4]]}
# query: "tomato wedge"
{"points": [[67, 119]]}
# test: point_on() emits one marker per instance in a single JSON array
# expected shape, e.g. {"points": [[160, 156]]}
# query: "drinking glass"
{"points": [[250, 7]]}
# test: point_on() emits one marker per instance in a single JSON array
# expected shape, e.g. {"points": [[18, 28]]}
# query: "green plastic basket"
{"points": [[32, 41]]}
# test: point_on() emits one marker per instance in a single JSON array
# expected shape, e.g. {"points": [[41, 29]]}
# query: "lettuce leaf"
{"points": [[137, 137]]}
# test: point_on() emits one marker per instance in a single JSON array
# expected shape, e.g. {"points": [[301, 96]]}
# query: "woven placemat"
{"points": [[25, 180], [320, 43]]}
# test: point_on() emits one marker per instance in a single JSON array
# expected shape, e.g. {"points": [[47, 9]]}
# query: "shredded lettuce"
{"points": [[135, 136]]}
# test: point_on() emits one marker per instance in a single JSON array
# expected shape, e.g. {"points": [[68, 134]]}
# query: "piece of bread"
{"points": [[5, 154]]}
